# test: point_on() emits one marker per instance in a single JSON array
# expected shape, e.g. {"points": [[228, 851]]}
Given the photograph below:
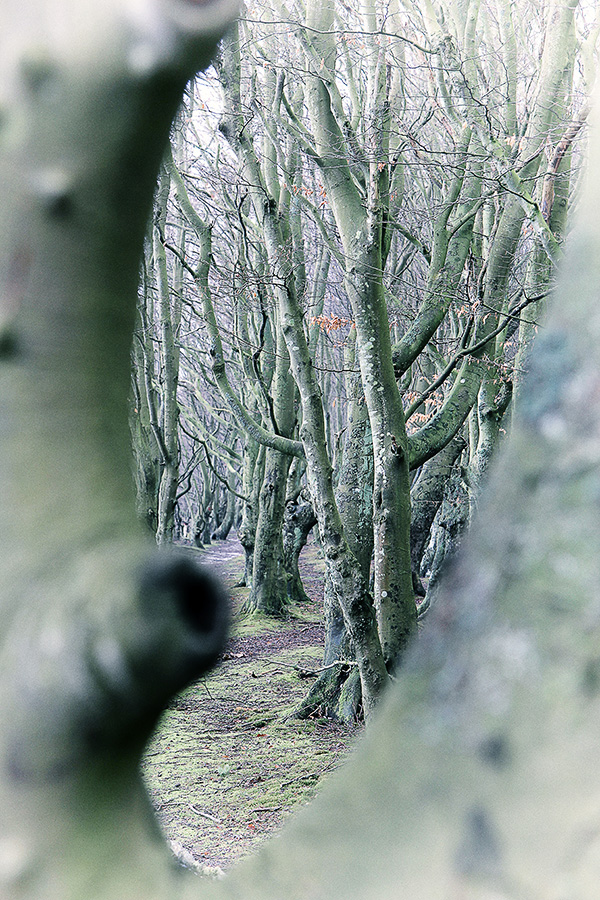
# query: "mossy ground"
{"points": [[228, 764]]}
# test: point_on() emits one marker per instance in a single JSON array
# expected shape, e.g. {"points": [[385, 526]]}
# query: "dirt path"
{"points": [[227, 766]]}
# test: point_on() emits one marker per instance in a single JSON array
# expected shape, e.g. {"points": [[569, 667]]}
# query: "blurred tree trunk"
{"points": [[89, 91], [478, 777]]}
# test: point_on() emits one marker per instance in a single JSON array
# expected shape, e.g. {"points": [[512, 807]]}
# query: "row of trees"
{"points": [[352, 242]]}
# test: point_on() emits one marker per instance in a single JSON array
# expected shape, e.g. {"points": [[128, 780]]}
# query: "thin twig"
{"points": [[204, 815]]}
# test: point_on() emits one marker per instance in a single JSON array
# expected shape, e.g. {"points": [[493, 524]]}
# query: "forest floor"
{"points": [[227, 764]]}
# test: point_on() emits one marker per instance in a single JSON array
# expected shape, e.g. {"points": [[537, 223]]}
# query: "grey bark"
{"points": [[446, 534], [252, 478], [268, 593], [492, 403], [334, 693]]}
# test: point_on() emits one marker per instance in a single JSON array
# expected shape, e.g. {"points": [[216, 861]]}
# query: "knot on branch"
{"points": [[95, 686], [396, 449]]}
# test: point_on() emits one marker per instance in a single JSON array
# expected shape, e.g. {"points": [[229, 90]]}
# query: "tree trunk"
{"points": [[329, 695], [168, 376], [268, 593], [492, 403], [222, 532], [143, 429], [298, 522], [336, 692], [447, 531], [427, 494], [354, 491], [252, 478]]}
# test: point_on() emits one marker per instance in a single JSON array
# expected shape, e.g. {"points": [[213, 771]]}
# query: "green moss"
{"points": [[228, 764]]}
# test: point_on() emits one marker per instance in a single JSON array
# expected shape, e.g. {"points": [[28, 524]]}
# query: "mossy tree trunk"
{"points": [[252, 479], [336, 691], [226, 523]]}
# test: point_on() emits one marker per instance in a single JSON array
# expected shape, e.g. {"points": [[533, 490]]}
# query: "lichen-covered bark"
{"points": [[336, 692], [268, 592], [354, 491], [492, 403], [252, 478], [354, 495]]}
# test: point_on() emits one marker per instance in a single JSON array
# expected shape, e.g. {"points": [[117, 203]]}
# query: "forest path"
{"points": [[226, 766]]}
